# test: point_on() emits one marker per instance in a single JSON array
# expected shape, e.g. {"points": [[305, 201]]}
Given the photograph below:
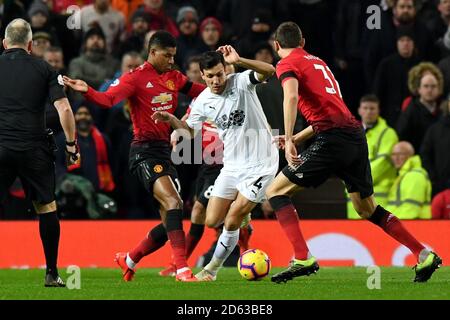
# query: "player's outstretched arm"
{"points": [[175, 123], [263, 69]]}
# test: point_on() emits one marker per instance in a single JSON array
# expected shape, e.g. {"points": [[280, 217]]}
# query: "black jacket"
{"points": [[414, 122], [391, 85], [435, 153]]}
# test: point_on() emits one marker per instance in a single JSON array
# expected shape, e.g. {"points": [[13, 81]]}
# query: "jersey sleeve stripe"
{"points": [[288, 74], [187, 86]]}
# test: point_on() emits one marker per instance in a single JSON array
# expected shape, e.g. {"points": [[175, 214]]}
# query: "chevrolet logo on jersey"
{"points": [[162, 98]]}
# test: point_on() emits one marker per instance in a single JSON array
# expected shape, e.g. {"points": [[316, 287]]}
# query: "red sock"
{"points": [[288, 219], [155, 239], [178, 243], [393, 227]]}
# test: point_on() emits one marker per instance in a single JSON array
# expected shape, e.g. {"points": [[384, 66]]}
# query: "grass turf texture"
{"points": [[328, 283]]}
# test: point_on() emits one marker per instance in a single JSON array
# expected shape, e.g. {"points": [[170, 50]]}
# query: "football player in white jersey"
{"points": [[250, 159]]}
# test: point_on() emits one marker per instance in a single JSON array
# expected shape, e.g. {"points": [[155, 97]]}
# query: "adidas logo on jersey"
{"points": [[149, 85]]}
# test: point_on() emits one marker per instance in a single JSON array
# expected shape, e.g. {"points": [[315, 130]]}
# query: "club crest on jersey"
{"points": [[158, 168], [237, 117], [162, 98], [170, 85]]}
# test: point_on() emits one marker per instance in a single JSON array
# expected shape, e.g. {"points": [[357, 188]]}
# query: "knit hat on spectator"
{"points": [[405, 31], [95, 30], [187, 12], [211, 20], [42, 35], [38, 6], [140, 14], [263, 16]]}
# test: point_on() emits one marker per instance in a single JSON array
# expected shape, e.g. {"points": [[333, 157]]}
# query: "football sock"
{"points": [[49, 230], [224, 247], [176, 236], [393, 227], [155, 239], [288, 218], [193, 237]]}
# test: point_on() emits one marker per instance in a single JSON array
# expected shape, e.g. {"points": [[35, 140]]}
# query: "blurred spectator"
{"points": [[410, 195], [351, 37], [111, 21], [440, 206], [237, 15], [189, 42], [383, 41], [435, 150], [439, 25], [130, 61], [55, 57], [135, 38], [259, 31], [380, 140], [39, 15], [192, 67], [60, 6], [159, 20], [264, 53], [211, 31], [95, 150], [315, 19], [391, 78], [41, 42], [126, 7], [426, 81], [94, 65]]}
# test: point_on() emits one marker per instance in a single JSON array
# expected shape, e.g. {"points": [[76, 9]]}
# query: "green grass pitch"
{"points": [[328, 283]]}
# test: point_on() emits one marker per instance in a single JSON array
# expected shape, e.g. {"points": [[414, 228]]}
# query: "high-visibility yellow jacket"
{"points": [[410, 195], [380, 141]]}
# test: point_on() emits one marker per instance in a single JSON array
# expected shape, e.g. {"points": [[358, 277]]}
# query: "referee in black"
{"points": [[26, 147]]}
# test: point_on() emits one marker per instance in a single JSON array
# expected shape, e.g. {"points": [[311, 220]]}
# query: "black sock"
{"points": [[49, 231], [159, 234], [174, 220], [197, 230]]}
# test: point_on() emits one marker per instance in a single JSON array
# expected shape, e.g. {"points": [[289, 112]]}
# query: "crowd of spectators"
{"points": [[403, 68]]}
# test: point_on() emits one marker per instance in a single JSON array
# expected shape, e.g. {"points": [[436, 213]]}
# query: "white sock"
{"points": [[130, 263], [182, 270], [225, 246]]}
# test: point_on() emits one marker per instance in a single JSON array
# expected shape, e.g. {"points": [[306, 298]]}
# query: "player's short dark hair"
{"points": [[162, 39], [211, 59], [288, 35], [194, 59], [370, 98]]}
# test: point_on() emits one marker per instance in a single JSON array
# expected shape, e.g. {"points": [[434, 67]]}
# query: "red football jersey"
{"points": [[147, 92], [320, 100]]}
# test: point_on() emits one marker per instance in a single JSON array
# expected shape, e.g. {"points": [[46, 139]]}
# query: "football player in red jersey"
{"points": [[152, 87], [339, 147]]}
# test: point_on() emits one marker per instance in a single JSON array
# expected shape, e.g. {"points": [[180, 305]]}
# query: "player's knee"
{"points": [[198, 213], [172, 202], [271, 191], [212, 222]]}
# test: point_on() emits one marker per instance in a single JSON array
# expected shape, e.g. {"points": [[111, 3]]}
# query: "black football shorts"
{"points": [[339, 152], [207, 175], [150, 161], [36, 170]]}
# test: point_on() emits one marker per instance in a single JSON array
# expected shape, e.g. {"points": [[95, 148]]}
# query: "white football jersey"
{"points": [[240, 120]]}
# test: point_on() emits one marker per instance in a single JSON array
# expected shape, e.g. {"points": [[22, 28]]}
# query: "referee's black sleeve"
{"points": [[55, 86]]}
